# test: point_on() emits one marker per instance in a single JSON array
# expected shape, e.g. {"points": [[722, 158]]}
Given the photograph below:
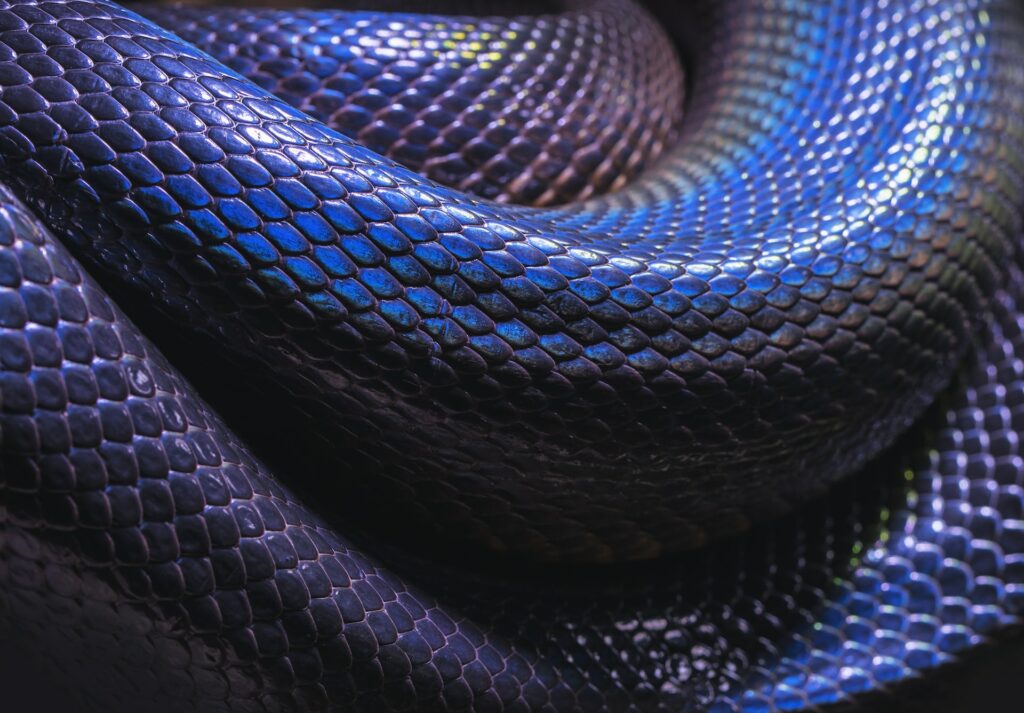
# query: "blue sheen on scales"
{"points": [[576, 397]]}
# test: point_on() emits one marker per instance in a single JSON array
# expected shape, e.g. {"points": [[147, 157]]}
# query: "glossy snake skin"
{"points": [[741, 434]]}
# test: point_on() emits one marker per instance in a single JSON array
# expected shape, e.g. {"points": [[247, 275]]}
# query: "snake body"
{"points": [[731, 344]]}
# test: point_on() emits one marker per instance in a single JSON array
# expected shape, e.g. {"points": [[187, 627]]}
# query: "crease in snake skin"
{"points": [[795, 333]]}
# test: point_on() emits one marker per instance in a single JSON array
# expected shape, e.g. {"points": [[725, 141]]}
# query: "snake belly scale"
{"points": [[726, 420]]}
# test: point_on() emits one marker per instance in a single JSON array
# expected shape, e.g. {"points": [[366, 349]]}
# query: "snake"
{"points": [[572, 356]]}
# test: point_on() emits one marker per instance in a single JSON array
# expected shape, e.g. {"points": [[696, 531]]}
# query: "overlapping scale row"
{"points": [[539, 109], [751, 319], [149, 562], [945, 572], [147, 555]]}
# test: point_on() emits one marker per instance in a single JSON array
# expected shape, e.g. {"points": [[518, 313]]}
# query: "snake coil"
{"points": [[726, 419]]}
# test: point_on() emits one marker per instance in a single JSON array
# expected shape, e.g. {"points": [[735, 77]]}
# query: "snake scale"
{"points": [[557, 372]]}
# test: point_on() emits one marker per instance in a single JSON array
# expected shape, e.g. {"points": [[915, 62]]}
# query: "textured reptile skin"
{"points": [[709, 340], [758, 314], [538, 110]]}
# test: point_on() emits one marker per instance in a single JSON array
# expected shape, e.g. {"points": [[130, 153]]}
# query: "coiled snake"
{"points": [[727, 419]]}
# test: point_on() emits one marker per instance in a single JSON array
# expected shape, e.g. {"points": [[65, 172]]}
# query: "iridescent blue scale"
{"points": [[596, 399]]}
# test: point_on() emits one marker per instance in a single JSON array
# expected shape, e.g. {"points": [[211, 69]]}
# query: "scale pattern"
{"points": [[544, 109], [752, 319], [764, 310], [150, 562]]}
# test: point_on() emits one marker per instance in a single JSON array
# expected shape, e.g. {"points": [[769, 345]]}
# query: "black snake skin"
{"points": [[582, 456], [472, 102]]}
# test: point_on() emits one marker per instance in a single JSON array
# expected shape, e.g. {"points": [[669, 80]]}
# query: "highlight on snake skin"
{"points": [[512, 357]]}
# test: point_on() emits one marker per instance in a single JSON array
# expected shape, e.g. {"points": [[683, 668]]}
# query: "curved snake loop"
{"points": [[703, 353]]}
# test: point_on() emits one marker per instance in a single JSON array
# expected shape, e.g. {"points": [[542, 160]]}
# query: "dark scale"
{"points": [[734, 429]]}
